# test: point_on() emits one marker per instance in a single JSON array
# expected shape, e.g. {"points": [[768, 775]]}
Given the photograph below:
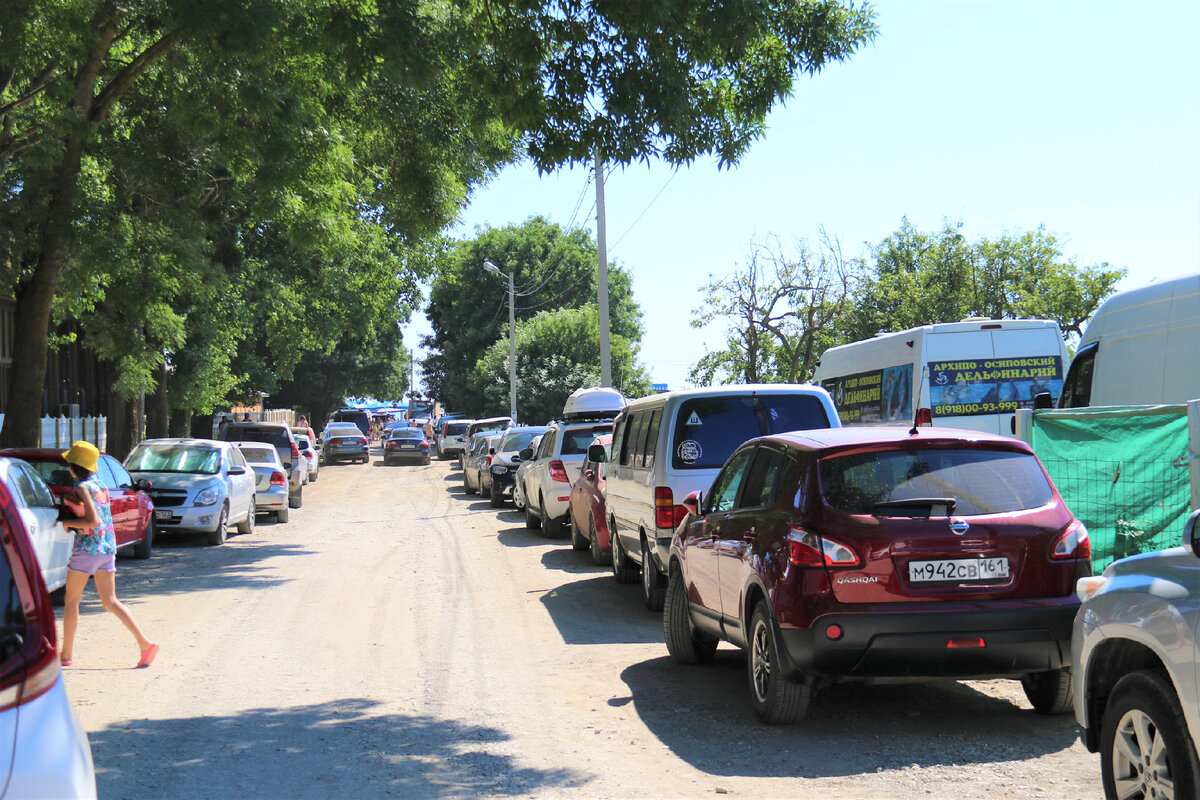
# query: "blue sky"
{"points": [[1082, 117]]}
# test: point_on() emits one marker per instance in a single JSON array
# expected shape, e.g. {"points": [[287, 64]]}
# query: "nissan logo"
{"points": [[959, 526]]}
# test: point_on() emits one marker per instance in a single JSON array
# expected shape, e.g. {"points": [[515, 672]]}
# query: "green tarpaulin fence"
{"points": [[1122, 470]]}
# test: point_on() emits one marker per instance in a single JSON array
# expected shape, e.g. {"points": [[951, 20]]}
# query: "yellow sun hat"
{"points": [[85, 454]]}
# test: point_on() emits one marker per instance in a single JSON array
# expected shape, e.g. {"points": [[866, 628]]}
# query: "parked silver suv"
{"points": [[1137, 671]]}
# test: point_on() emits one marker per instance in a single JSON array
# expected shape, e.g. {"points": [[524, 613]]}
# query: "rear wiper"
{"points": [[934, 506]]}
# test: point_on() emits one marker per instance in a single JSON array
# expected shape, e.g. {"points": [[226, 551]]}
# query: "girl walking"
{"points": [[94, 554]]}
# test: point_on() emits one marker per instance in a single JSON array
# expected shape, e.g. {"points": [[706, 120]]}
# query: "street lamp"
{"points": [[512, 339]]}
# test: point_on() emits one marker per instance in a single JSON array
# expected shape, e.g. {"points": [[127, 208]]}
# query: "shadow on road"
{"points": [[596, 611], [851, 728], [340, 749]]}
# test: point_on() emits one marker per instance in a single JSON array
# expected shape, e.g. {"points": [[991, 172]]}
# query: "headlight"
{"points": [[206, 497], [499, 470]]}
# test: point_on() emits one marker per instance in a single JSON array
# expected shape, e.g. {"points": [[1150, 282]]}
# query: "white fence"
{"points": [[64, 431]]}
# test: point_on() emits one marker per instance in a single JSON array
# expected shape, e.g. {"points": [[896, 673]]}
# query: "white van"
{"points": [[666, 446], [972, 374], [1139, 349]]}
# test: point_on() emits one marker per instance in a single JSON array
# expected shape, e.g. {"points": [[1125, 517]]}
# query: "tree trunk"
{"points": [[31, 318], [119, 440], [157, 415]]}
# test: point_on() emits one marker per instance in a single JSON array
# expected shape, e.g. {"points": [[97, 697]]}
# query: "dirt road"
{"points": [[399, 638]]}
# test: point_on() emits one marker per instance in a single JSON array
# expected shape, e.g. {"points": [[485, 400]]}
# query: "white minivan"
{"points": [[666, 446], [972, 374], [1139, 349]]}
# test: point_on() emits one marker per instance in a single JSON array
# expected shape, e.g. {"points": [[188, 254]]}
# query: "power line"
{"points": [[644, 210]]}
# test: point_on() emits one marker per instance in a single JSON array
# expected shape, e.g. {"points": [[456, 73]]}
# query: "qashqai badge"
{"points": [[959, 526]]}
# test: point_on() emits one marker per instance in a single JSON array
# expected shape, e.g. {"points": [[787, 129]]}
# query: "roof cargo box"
{"points": [[594, 403]]}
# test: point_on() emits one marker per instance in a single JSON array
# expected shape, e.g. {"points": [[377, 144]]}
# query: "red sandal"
{"points": [[148, 655]]}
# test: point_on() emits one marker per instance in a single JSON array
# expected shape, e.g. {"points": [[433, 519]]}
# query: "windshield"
{"points": [[893, 482], [709, 429], [174, 458]]}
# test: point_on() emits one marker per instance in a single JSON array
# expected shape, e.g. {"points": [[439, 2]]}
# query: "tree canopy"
{"points": [[171, 165], [468, 307], [784, 309]]}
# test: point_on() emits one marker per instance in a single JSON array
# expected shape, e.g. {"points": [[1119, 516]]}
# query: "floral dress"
{"points": [[100, 540]]}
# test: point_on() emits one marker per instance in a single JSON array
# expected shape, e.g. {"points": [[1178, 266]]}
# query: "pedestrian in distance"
{"points": [[93, 554]]}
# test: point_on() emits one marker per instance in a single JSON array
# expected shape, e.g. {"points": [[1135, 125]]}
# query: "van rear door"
{"points": [[979, 378]]}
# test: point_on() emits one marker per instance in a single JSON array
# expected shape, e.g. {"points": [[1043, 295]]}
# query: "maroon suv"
{"points": [[876, 552]]}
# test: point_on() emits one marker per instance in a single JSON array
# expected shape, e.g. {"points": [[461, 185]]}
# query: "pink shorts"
{"points": [[92, 563]]}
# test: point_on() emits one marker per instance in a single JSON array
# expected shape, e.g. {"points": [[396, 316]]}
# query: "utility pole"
{"points": [[602, 277], [512, 337]]}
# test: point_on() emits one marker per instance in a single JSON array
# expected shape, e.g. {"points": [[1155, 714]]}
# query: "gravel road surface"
{"points": [[399, 638]]}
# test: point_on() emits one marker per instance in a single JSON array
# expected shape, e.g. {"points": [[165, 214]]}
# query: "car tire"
{"points": [[467, 487], [578, 540], [599, 557], [684, 645], [1144, 703], [518, 497], [654, 589], [624, 570], [551, 528], [532, 521], [495, 498], [1049, 692], [297, 500], [776, 700], [281, 516], [313, 477], [247, 527], [145, 547], [218, 536], [426, 461]]}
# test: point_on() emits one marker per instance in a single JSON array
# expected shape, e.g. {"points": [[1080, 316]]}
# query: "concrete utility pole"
{"points": [[602, 277]]}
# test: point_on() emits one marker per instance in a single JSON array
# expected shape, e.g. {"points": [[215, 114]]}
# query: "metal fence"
{"points": [[64, 431]]}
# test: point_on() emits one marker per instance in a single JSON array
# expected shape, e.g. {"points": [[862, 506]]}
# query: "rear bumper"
{"points": [[272, 499], [917, 644], [406, 455]]}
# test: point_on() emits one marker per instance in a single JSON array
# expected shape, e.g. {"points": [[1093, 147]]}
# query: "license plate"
{"points": [[958, 570], [162, 513], [408, 447]]}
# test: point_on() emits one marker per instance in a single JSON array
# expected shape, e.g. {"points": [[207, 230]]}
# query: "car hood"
{"points": [[177, 480]]}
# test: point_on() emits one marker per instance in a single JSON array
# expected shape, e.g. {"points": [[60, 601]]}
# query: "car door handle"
{"points": [[752, 533]]}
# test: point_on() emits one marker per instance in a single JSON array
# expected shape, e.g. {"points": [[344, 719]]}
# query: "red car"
{"points": [[132, 508], [589, 521], [879, 553]]}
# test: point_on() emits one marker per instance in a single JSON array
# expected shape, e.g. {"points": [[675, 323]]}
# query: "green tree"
{"points": [[781, 311], [558, 351], [920, 278], [299, 78], [468, 307]]}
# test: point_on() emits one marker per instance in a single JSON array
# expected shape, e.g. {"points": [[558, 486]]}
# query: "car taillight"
{"points": [[558, 472], [362, 440], [278, 479], [1073, 543], [666, 513], [808, 549]]}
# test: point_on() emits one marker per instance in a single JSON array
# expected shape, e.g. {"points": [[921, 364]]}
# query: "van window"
{"points": [[456, 428], [708, 429], [1077, 388], [650, 448], [277, 437], [635, 430]]}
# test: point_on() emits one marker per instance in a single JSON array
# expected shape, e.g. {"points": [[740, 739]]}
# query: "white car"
{"points": [[546, 482], [1136, 655], [44, 751], [198, 485], [308, 450], [35, 503]]}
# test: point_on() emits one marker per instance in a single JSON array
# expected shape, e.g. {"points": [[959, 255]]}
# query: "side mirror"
{"points": [[143, 484], [692, 503], [1042, 400], [1191, 533], [491, 451], [526, 454], [237, 471], [596, 454]]}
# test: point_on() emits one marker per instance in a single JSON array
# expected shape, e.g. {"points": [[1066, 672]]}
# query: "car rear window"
{"points": [[576, 440], [406, 433], [259, 454], [457, 428], [276, 437], [516, 442], [895, 482], [708, 429]]}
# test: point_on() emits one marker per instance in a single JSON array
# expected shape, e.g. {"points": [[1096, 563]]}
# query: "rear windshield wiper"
{"points": [[933, 506]]}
